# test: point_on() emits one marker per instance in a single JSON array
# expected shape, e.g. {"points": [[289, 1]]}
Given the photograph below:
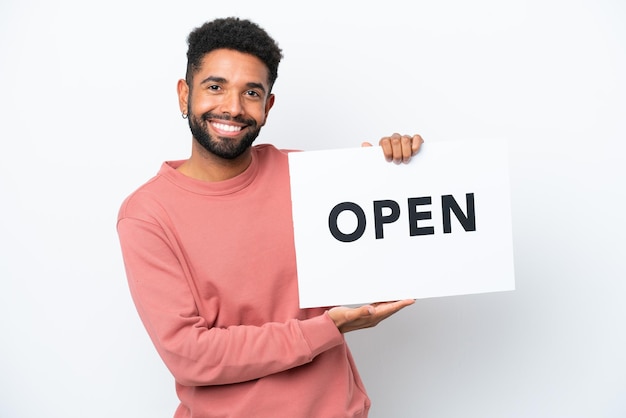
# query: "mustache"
{"points": [[239, 119]]}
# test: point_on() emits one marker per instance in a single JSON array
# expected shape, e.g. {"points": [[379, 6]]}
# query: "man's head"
{"points": [[236, 34], [232, 65]]}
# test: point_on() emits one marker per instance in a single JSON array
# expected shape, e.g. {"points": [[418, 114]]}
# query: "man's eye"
{"points": [[253, 93], [214, 87]]}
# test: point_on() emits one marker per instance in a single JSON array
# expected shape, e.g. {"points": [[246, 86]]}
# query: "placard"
{"points": [[367, 230]]}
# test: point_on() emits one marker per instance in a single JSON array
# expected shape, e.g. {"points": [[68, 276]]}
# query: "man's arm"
{"points": [[196, 351]]}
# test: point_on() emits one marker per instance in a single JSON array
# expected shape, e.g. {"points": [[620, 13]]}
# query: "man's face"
{"points": [[228, 102]]}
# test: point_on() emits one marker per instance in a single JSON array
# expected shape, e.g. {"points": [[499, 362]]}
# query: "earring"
{"points": [[184, 115]]}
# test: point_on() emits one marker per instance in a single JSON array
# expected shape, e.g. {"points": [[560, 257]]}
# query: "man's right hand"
{"points": [[366, 316]]}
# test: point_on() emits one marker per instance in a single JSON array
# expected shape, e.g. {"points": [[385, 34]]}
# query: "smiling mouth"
{"points": [[226, 128]]}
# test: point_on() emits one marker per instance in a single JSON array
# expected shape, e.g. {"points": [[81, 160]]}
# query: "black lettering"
{"points": [[380, 220], [360, 216], [415, 216], [449, 204]]}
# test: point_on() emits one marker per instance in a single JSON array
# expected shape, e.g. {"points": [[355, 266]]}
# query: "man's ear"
{"points": [[183, 96], [268, 105]]}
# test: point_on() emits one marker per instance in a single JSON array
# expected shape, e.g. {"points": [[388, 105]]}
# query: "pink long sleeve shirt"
{"points": [[211, 269]]}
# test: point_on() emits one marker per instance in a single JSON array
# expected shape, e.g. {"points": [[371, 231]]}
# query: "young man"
{"points": [[209, 254]]}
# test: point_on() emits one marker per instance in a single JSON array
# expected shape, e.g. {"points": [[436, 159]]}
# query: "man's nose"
{"points": [[232, 104]]}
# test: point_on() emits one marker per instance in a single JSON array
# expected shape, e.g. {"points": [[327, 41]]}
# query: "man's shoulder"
{"points": [[271, 151], [144, 196]]}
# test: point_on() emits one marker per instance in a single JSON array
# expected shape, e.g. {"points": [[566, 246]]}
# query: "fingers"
{"points": [[416, 144], [400, 148], [386, 309]]}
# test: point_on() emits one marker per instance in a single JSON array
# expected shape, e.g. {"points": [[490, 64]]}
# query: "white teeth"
{"points": [[229, 128]]}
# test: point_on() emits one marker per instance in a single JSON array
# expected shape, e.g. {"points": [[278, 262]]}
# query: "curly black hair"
{"points": [[232, 33]]}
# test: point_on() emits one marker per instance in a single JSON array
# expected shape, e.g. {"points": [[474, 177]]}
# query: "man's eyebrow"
{"points": [[256, 86], [213, 79], [222, 80]]}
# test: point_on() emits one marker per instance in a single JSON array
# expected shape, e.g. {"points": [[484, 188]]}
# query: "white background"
{"points": [[88, 111]]}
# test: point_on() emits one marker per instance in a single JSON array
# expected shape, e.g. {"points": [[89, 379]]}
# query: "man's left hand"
{"points": [[399, 148]]}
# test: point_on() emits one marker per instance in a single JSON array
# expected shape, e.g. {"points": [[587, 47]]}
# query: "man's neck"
{"points": [[205, 166]]}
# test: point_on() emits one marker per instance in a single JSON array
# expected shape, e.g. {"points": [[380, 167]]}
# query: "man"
{"points": [[209, 254]]}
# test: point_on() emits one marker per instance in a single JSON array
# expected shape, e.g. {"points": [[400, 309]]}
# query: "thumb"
{"points": [[366, 310]]}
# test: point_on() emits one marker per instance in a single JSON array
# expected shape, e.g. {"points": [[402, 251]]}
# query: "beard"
{"points": [[222, 147]]}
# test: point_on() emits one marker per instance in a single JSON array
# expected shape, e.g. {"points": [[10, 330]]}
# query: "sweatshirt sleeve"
{"points": [[196, 352]]}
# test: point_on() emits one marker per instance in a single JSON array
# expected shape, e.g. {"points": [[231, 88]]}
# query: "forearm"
{"points": [[200, 356], [198, 348]]}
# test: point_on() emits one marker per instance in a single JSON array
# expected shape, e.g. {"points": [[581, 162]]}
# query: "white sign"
{"points": [[367, 230]]}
